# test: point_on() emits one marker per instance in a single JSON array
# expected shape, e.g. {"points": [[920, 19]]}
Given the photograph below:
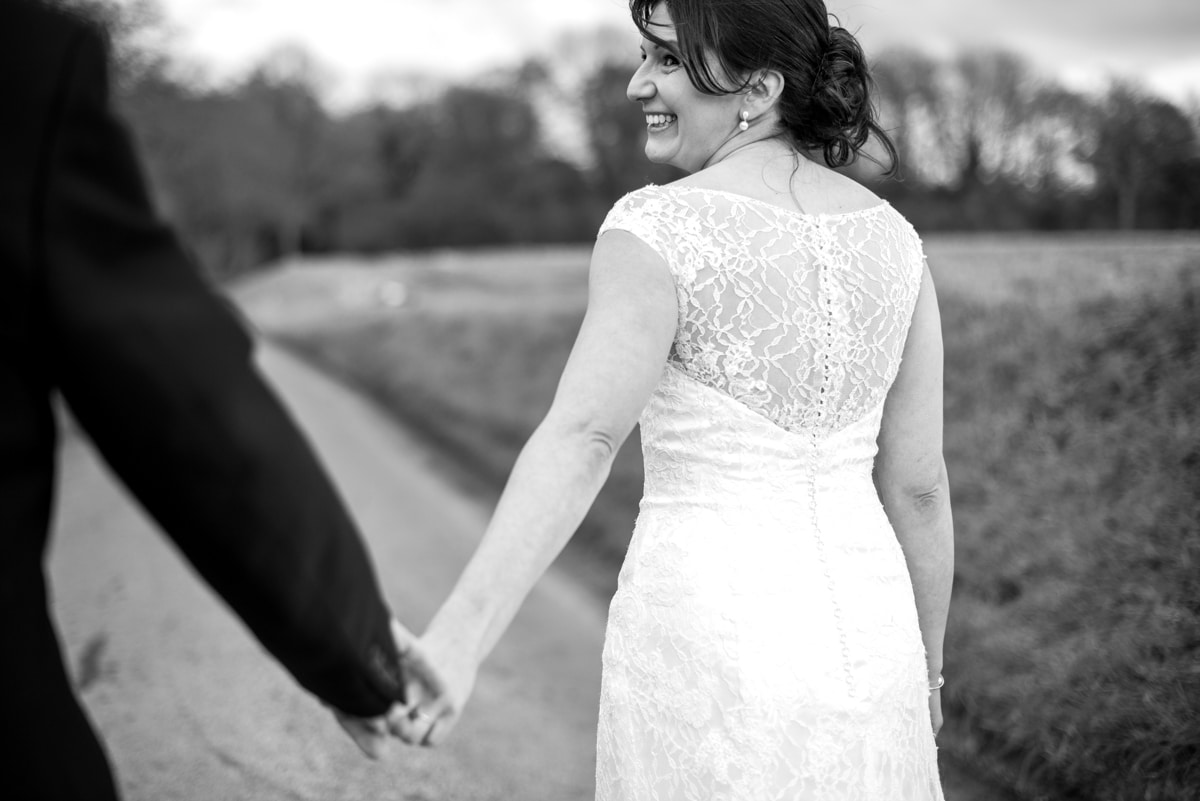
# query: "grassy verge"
{"points": [[1073, 442]]}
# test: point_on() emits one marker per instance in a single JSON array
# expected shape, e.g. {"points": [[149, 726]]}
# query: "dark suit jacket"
{"points": [[99, 303]]}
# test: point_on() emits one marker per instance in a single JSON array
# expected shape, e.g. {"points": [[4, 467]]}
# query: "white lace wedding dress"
{"points": [[763, 641]]}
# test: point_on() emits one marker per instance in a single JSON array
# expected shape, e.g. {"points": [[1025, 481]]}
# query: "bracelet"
{"points": [[939, 684]]}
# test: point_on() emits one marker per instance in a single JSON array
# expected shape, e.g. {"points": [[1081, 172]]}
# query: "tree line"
{"points": [[262, 168]]}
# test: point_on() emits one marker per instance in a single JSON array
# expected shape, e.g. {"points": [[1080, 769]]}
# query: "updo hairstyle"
{"points": [[826, 100]]}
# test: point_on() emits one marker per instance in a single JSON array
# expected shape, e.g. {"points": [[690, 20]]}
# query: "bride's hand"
{"points": [[935, 710], [421, 680], [427, 718]]}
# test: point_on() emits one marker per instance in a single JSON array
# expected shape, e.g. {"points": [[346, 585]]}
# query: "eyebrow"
{"points": [[670, 47]]}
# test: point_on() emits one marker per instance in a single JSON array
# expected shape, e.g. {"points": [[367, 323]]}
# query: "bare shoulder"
{"points": [[835, 193], [817, 189]]}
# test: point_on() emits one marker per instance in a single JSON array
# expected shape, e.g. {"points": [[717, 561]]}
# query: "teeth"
{"points": [[654, 120]]}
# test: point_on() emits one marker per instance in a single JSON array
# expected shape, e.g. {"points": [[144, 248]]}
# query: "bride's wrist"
{"points": [[464, 623]]}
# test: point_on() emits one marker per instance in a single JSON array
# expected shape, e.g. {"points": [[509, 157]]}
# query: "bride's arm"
{"points": [[614, 365], [910, 474]]}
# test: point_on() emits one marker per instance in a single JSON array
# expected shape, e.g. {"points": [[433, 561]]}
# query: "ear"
{"points": [[763, 92]]}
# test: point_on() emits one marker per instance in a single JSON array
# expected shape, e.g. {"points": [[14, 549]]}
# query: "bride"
{"points": [[777, 628]]}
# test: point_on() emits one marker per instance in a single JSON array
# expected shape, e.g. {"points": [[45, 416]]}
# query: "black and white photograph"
{"points": [[606, 400]]}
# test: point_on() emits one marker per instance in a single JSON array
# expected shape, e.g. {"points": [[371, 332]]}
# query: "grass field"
{"points": [[1073, 443]]}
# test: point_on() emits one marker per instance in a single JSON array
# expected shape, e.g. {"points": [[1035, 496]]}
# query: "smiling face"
{"points": [[684, 126]]}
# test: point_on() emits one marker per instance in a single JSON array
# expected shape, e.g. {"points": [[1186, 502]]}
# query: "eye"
{"points": [[669, 60]]}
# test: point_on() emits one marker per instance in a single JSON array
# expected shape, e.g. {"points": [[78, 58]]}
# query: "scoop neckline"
{"points": [[880, 206]]}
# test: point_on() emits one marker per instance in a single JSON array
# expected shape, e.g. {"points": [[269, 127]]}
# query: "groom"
{"points": [[99, 304]]}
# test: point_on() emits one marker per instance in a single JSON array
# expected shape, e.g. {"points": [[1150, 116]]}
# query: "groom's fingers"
{"points": [[369, 734], [370, 737], [373, 745]]}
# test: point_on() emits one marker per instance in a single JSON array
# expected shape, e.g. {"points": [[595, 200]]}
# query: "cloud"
{"points": [[1083, 41], [459, 38], [1092, 31]]}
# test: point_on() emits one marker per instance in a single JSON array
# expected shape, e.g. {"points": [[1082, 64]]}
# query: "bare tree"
{"points": [[1140, 139]]}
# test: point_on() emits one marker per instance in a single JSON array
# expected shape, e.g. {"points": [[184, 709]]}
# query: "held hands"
{"points": [[430, 714], [424, 683]]}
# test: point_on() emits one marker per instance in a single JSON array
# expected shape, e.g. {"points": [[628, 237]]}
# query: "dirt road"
{"points": [[192, 708]]}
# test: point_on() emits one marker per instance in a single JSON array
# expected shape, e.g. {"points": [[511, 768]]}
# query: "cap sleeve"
{"points": [[657, 219], [913, 249]]}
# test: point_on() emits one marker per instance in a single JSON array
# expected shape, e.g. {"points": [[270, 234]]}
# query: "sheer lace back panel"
{"points": [[800, 317]]}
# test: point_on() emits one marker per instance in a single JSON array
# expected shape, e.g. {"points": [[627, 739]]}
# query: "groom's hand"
{"points": [[422, 683]]}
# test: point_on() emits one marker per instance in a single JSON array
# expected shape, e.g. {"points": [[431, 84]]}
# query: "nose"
{"points": [[640, 88]]}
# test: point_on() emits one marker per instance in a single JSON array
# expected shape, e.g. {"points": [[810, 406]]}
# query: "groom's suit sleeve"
{"points": [[158, 371]]}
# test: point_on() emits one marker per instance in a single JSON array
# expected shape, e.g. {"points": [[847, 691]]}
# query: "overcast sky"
{"points": [[1157, 41]]}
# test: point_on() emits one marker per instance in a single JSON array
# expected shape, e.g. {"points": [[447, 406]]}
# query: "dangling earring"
{"points": [[744, 125]]}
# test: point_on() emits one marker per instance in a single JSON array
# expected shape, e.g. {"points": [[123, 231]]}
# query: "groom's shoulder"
{"points": [[45, 27], [44, 48]]}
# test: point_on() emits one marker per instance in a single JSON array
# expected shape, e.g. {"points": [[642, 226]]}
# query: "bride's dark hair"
{"points": [[826, 101]]}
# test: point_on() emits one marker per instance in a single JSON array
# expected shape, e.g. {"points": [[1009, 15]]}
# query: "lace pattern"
{"points": [[780, 309]]}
